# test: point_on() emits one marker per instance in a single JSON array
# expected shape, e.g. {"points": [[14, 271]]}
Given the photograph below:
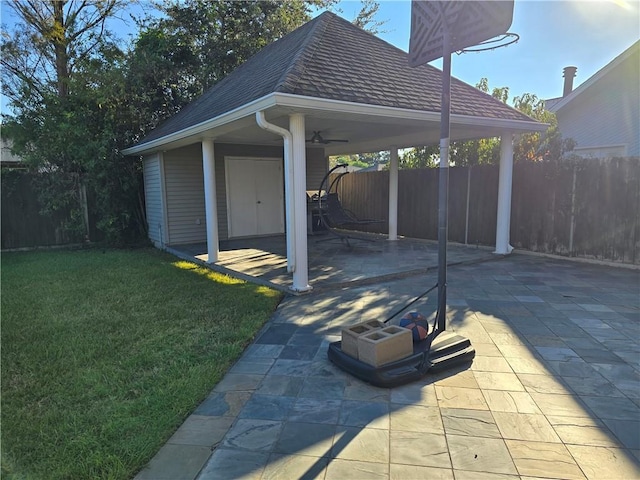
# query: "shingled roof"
{"points": [[330, 58]]}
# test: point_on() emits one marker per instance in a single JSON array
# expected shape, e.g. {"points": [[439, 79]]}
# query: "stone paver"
{"points": [[600, 462], [547, 460], [480, 454], [554, 391], [176, 462]]}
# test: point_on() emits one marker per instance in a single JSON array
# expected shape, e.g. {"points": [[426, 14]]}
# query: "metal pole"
{"points": [[443, 178]]}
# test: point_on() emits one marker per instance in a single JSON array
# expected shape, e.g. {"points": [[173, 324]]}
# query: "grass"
{"points": [[105, 354]]}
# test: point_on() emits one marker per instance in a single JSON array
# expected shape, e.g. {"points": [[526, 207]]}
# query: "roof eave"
{"points": [[302, 103], [321, 104], [201, 128], [593, 79]]}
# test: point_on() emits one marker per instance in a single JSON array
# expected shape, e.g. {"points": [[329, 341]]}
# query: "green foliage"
{"points": [[39, 56], [75, 141], [366, 18], [547, 146], [96, 376], [196, 43], [421, 157], [79, 100], [67, 92], [362, 160]]}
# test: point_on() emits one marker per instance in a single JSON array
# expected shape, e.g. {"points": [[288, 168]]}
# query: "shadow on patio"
{"points": [[553, 391], [332, 264]]}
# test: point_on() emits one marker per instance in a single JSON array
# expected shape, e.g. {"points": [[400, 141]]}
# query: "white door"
{"points": [[255, 195]]}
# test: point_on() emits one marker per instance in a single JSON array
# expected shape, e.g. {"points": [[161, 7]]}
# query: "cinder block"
{"points": [[350, 335], [385, 345]]}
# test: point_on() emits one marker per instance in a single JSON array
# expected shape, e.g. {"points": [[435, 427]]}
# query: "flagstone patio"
{"points": [[332, 263], [553, 392]]}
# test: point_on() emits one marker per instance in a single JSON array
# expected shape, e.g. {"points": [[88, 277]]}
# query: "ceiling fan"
{"points": [[316, 138]]}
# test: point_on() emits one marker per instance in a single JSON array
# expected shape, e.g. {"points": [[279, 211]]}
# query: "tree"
{"points": [[535, 146], [196, 43], [65, 86], [366, 17], [50, 38], [420, 157], [362, 160], [547, 146]]}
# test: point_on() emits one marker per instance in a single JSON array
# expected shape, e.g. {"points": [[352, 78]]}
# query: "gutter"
{"points": [[288, 184]]}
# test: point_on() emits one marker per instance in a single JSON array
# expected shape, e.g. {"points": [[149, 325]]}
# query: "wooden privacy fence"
{"points": [[587, 209], [23, 224]]}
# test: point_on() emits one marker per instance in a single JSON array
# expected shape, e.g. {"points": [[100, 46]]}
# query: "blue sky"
{"points": [[553, 34]]}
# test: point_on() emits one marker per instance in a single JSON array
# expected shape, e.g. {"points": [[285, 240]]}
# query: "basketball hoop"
{"points": [[503, 40], [468, 24], [439, 28]]}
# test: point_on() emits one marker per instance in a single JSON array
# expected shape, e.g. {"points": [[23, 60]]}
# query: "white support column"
{"points": [[210, 205], [393, 194], [301, 273], [503, 223]]}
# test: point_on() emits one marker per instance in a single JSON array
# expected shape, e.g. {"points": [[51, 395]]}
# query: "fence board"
{"points": [[22, 223], [607, 211], [598, 217], [541, 207], [483, 205]]}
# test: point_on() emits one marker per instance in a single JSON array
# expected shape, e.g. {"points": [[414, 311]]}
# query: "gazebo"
{"points": [[238, 160]]}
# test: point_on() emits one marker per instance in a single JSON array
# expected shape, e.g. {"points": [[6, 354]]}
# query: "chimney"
{"points": [[568, 73]]}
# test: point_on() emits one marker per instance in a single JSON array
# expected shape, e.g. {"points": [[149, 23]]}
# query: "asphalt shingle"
{"points": [[330, 58]]}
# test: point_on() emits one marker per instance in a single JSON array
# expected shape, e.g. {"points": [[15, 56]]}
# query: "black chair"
{"points": [[333, 215]]}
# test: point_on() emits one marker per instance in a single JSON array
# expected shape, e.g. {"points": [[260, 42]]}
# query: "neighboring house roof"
{"points": [[7, 158], [378, 167], [557, 104], [549, 103], [330, 58]]}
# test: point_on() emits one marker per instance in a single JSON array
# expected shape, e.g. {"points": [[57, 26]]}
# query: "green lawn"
{"points": [[105, 354]]}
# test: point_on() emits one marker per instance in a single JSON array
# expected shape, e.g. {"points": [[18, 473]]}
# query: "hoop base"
{"points": [[447, 350]]}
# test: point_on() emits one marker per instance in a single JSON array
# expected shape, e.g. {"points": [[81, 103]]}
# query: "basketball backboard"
{"points": [[469, 23]]}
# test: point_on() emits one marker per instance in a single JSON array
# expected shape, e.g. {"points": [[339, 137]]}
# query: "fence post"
{"points": [[85, 209], [466, 222], [572, 224]]}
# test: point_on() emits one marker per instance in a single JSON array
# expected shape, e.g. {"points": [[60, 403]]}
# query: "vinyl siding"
{"points": [[317, 167], [153, 198], [606, 116], [184, 182], [184, 186]]}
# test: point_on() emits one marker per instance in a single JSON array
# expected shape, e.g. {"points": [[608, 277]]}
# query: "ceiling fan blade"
{"points": [[316, 138]]}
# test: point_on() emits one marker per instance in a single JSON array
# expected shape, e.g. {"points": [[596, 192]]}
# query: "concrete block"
{"points": [[385, 345], [350, 335]]}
